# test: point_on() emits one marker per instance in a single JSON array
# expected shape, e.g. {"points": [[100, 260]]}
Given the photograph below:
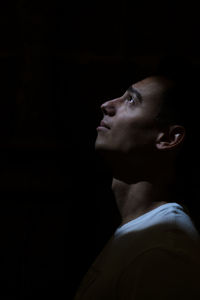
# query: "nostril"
{"points": [[108, 108]]}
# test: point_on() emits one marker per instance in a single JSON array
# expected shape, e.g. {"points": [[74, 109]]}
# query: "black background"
{"points": [[59, 62]]}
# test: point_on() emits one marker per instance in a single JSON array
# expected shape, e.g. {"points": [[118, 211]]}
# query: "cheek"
{"points": [[132, 134]]}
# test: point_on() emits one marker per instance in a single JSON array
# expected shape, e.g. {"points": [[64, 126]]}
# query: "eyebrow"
{"points": [[136, 92]]}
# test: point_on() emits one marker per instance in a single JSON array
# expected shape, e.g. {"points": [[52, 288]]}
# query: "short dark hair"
{"points": [[180, 105], [183, 94]]}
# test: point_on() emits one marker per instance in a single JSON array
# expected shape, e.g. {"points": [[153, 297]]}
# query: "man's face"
{"points": [[130, 119]]}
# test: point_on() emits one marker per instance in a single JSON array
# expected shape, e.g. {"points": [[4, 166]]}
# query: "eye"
{"points": [[131, 99]]}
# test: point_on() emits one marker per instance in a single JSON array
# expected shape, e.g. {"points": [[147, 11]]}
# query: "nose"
{"points": [[108, 108]]}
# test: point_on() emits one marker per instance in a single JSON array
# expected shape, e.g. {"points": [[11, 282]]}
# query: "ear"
{"points": [[170, 138]]}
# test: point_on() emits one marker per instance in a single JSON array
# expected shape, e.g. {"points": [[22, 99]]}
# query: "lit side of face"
{"points": [[131, 120]]}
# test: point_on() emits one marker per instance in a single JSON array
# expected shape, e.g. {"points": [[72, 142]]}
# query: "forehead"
{"points": [[152, 87]]}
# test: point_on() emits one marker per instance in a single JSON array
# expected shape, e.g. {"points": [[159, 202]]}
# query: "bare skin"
{"points": [[140, 154], [134, 200]]}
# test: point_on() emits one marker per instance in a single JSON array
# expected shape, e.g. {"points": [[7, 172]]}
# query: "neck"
{"points": [[134, 200]]}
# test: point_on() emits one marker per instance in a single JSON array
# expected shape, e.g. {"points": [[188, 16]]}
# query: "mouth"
{"points": [[103, 126]]}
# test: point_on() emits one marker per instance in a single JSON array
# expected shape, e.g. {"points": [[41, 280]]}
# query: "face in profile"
{"points": [[128, 130], [128, 123]]}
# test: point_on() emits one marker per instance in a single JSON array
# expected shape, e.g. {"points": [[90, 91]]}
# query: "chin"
{"points": [[101, 146]]}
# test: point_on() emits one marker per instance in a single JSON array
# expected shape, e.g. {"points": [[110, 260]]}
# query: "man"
{"points": [[154, 253]]}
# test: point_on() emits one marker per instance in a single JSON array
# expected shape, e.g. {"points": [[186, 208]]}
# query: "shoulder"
{"points": [[162, 274]]}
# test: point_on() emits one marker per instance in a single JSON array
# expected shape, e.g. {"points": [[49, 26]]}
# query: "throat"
{"points": [[139, 212], [134, 200]]}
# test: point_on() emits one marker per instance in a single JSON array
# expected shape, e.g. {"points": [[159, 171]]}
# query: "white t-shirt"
{"points": [[155, 256]]}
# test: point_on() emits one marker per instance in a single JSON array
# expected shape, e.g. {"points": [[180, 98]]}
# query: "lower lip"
{"points": [[102, 128]]}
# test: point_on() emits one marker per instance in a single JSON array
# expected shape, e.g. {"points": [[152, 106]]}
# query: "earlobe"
{"points": [[171, 138]]}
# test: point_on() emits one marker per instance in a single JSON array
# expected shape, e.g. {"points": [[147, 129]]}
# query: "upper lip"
{"points": [[104, 124]]}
